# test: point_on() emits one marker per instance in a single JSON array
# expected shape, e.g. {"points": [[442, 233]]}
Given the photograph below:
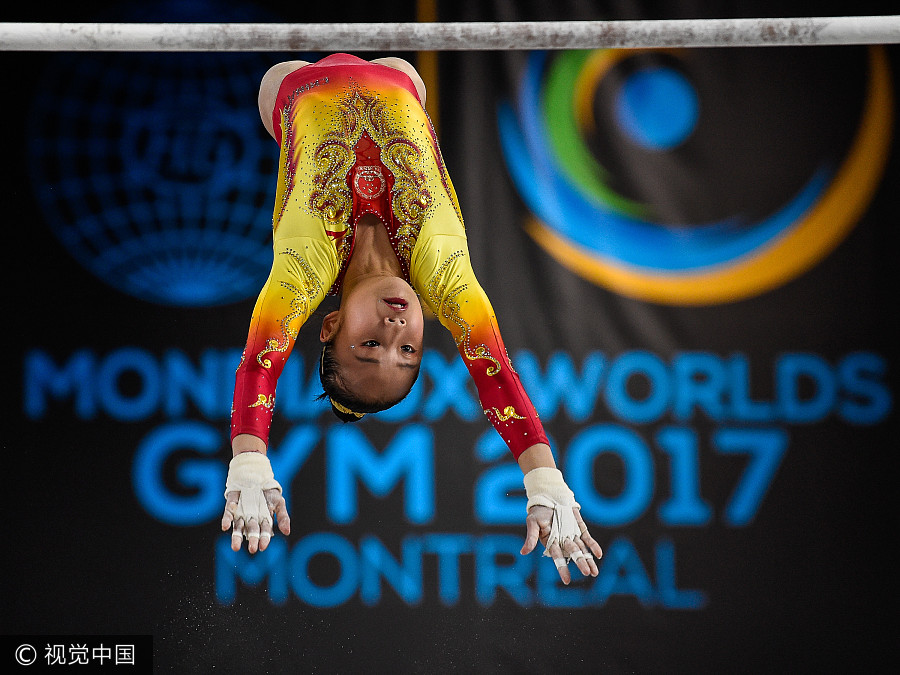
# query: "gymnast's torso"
{"points": [[355, 139]]}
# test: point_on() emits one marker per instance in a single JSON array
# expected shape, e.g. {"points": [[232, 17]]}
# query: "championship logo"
{"points": [[696, 177], [153, 170]]}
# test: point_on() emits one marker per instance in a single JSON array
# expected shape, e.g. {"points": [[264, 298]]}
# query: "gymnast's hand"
{"points": [[554, 519], [252, 499]]}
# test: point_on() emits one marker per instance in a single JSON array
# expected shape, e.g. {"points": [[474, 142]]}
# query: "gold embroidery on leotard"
{"points": [[331, 197], [442, 168], [357, 111], [509, 412], [291, 155], [267, 402], [411, 198], [449, 308], [311, 287]]}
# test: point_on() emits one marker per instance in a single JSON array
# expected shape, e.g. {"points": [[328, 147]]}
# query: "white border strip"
{"points": [[519, 35]]}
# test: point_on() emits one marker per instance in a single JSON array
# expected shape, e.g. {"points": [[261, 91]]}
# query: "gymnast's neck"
{"points": [[372, 253]]}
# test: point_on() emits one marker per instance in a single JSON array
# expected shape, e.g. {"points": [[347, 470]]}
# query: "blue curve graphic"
{"points": [[595, 226]]}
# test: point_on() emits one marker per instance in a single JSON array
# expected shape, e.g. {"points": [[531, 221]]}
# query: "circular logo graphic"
{"points": [[369, 182], [25, 655], [689, 178], [154, 171]]}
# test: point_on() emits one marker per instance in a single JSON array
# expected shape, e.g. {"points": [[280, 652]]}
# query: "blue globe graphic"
{"points": [[155, 173]]}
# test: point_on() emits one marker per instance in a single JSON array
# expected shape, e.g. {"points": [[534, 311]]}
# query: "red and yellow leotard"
{"points": [[355, 139]]}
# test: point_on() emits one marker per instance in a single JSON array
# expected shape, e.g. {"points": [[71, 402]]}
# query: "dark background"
{"points": [[808, 585]]}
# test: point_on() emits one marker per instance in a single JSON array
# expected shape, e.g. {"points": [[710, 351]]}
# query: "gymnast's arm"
{"points": [[292, 292], [303, 267], [449, 287]]}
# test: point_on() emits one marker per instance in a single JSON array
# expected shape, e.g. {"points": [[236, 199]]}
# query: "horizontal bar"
{"points": [[464, 36]]}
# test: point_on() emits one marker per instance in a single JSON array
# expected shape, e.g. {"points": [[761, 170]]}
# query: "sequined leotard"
{"points": [[355, 139]]}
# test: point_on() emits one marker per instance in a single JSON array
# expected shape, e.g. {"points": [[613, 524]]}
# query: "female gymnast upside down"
{"points": [[365, 209]]}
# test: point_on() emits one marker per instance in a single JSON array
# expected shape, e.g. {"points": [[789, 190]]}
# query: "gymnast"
{"points": [[365, 209]]}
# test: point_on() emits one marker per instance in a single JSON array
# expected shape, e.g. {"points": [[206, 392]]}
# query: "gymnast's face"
{"points": [[377, 337]]}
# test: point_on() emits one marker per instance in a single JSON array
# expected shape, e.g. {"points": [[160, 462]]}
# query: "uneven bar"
{"points": [[513, 35]]}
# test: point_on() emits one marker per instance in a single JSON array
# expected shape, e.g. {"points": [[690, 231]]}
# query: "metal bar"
{"points": [[513, 35]]}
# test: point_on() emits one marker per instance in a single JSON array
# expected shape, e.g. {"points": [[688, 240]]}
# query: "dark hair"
{"points": [[347, 406]]}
